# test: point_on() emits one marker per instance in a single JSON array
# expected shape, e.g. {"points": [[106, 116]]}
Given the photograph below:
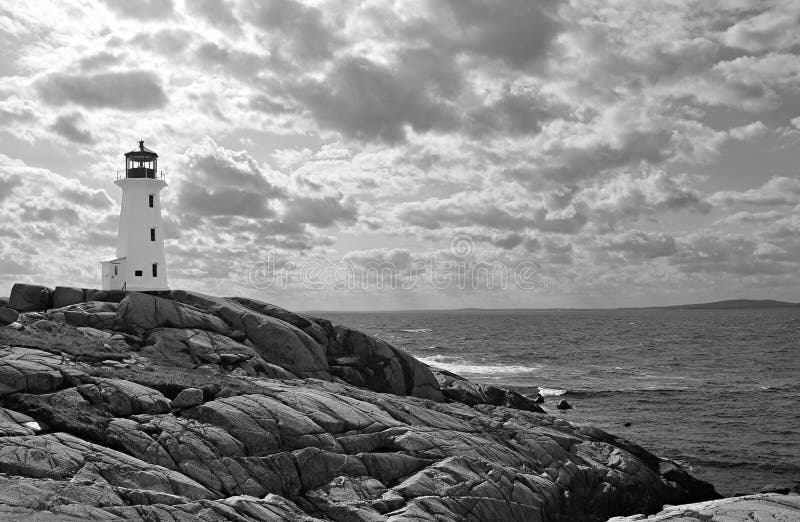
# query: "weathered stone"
{"points": [[65, 296], [139, 313], [188, 398], [8, 315], [28, 370], [122, 398], [762, 507], [563, 405], [108, 296], [13, 423], [30, 298], [383, 367], [327, 448]]}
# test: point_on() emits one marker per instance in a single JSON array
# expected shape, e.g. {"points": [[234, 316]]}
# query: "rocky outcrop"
{"points": [[185, 408], [65, 296], [8, 315], [379, 366], [459, 389], [763, 508], [26, 298]]}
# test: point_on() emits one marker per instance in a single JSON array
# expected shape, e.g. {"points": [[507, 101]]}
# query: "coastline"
{"points": [[157, 406]]}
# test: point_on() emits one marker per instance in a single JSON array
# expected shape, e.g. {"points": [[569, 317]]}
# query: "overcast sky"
{"points": [[618, 153]]}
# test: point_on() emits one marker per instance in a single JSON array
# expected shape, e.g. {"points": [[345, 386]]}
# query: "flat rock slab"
{"points": [[767, 507]]}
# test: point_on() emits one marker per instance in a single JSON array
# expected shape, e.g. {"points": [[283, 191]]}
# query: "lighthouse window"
{"points": [[116, 270], [155, 269], [138, 273], [150, 200], [152, 234]]}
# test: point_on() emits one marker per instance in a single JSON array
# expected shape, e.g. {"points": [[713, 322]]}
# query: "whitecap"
{"points": [[462, 367], [551, 392], [416, 330]]}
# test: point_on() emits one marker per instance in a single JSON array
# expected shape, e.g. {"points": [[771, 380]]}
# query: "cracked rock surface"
{"points": [[189, 407]]}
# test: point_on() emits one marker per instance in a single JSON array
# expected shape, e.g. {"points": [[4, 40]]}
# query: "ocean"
{"points": [[716, 390]]}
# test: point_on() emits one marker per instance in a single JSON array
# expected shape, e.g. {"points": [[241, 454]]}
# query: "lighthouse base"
{"points": [[116, 274]]}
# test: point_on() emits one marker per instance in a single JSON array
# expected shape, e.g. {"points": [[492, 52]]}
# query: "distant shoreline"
{"points": [[729, 304]]}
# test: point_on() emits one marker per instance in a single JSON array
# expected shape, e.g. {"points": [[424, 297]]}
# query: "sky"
{"points": [[412, 154]]}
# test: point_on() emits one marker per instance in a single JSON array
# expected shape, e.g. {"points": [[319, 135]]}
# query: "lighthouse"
{"points": [[140, 263]]}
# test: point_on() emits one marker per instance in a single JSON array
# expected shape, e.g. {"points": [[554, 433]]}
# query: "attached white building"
{"points": [[140, 263]]}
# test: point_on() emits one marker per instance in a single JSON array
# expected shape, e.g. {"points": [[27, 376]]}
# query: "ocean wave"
{"points": [[416, 330], [460, 366], [551, 392]]}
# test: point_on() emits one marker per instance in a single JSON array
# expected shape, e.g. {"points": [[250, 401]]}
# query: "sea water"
{"points": [[716, 390]]}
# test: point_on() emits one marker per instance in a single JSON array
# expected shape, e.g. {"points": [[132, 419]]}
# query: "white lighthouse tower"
{"points": [[140, 263]]}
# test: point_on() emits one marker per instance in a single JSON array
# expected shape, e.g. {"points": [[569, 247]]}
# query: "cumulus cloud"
{"points": [[8, 182], [217, 13], [66, 125], [747, 132], [519, 33], [130, 90], [771, 28], [369, 101], [222, 182], [777, 191], [302, 31], [713, 253], [638, 243], [320, 212], [629, 196], [141, 9], [84, 196]]}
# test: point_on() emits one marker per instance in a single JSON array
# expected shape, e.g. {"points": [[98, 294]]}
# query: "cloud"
{"points": [[769, 29], [517, 111], [591, 156], [320, 212], [223, 182], [713, 253], [300, 30], [748, 132], [66, 125], [519, 33], [8, 182], [777, 191], [130, 90], [80, 195], [629, 196], [640, 244], [217, 13], [14, 109], [369, 101], [141, 9], [49, 214]]}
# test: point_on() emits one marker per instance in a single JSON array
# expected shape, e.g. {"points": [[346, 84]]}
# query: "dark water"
{"points": [[717, 390]]}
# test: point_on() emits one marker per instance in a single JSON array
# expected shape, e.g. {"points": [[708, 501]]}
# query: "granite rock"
{"points": [[249, 436], [29, 298], [765, 507]]}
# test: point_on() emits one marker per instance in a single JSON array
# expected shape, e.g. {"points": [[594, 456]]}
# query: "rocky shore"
{"points": [[182, 406]]}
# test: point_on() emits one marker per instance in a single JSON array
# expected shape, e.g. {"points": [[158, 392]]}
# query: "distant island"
{"points": [[731, 304]]}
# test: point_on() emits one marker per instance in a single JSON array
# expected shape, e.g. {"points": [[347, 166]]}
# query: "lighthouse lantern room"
{"points": [[140, 263]]}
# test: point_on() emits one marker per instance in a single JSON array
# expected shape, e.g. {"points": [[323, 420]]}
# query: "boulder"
{"points": [[108, 296], [8, 315], [65, 296], [122, 398], [187, 398], [275, 340], [383, 367], [563, 405], [139, 313], [30, 298]]}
